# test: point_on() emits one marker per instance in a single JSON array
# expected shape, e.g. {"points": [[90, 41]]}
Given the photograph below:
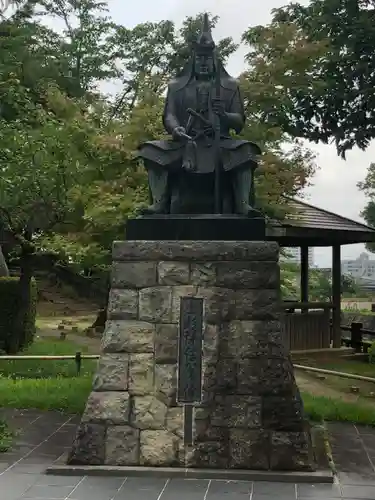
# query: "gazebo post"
{"points": [[304, 273], [304, 292], [336, 295]]}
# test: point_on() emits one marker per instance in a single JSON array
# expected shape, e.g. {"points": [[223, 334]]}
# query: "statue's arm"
{"points": [[170, 120], [235, 116]]}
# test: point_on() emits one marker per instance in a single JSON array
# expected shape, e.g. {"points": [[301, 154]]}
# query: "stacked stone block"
{"points": [[250, 416]]}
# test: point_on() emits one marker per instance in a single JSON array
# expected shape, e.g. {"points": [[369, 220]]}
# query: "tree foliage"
{"points": [[4, 271], [318, 64], [368, 187], [152, 53], [320, 284], [69, 178], [88, 53]]}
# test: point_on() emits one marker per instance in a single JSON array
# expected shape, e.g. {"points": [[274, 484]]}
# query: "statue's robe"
{"points": [[183, 93]]}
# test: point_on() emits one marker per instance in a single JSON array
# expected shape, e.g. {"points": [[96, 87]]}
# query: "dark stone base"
{"points": [[197, 227]]}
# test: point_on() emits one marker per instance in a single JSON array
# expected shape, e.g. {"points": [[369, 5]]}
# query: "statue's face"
{"points": [[204, 65]]}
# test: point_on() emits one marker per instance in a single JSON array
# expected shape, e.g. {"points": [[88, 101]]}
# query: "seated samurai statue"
{"points": [[202, 167]]}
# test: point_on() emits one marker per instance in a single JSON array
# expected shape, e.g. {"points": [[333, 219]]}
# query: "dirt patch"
{"points": [[309, 383], [335, 386], [66, 323], [59, 306], [60, 300], [93, 344]]}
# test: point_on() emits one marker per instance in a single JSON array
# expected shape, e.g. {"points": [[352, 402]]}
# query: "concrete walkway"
{"points": [[45, 436]]}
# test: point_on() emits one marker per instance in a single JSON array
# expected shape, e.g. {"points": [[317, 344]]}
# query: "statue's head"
{"points": [[204, 65], [204, 52]]}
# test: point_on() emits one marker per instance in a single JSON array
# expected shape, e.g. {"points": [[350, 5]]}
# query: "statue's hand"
{"points": [[189, 166], [179, 132], [218, 107]]}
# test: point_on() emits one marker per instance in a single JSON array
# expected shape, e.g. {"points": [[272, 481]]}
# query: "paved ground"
{"points": [[44, 437]]}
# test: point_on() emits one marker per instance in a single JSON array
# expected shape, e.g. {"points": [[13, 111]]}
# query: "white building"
{"points": [[293, 255], [361, 268]]}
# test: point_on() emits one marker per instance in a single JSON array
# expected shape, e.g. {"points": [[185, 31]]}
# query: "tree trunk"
{"points": [[17, 340], [4, 271], [99, 323]]}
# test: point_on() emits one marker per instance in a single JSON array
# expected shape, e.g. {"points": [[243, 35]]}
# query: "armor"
{"points": [[189, 116]]}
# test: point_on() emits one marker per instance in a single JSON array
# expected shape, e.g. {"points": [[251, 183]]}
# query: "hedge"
{"points": [[9, 300]]}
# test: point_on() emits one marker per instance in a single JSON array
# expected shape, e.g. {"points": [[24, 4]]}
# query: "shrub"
{"points": [[6, 437], [10, 340]]}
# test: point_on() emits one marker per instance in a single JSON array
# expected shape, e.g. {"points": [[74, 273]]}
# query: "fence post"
{"points": [[78, 360], [356, 336]]}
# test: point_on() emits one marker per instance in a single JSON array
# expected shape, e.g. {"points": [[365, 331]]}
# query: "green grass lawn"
{"points": [[46, 384], [36, 369], [53, 385], [70, 395], [64, 394], [320, 408]]}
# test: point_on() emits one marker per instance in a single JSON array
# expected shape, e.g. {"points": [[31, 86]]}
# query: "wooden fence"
{"points": [[359, 338], [304, 329], [307, 325], [77, 357]]}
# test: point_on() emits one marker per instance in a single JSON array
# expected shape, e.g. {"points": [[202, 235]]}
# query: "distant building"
{"points": [[293, 255], [362, 269]]}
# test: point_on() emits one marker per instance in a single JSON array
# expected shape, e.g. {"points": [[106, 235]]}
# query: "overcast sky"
{"points": [[335, 183]]}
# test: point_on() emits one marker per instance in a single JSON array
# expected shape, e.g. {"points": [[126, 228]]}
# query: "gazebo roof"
{"points": [[313, 226]]}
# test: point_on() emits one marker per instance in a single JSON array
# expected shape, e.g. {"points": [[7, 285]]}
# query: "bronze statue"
{"points": [[202, 169]]}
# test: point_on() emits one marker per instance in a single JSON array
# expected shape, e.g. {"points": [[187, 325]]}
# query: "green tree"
{"points": [[290, 281], [76, 146], [368, 188], [287, 165], [84, 52], [349, 286], [320, 284], [153, 53], [49, 145], [52, 145], [3, 265], [318, 63]]}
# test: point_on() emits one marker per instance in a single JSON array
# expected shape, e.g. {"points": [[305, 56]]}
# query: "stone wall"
{"points": [[250, 416]]}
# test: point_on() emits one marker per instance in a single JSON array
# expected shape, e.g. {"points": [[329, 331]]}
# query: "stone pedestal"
{"points": [[250, 416]]}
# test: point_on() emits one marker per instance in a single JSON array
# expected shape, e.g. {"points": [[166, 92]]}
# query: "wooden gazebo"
{"points": [[308, 226]]}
